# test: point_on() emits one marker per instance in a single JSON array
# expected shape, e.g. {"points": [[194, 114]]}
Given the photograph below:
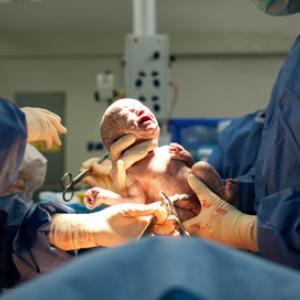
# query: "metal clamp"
{"points": [[68, 182]]}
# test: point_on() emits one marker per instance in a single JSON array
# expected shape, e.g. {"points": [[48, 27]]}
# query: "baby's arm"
{"points": [[179, 153], [97, 196]]}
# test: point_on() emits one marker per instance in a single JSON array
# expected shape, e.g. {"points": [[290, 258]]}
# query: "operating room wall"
{"points": [[208, 86], [223, 86], [74, 77]]}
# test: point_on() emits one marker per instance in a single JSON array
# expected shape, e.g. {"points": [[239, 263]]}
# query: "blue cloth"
{"points": [[13, 141], [267, 157], [278, 7], [236, 155], [158, 268], [24, 248], [277, 171]]}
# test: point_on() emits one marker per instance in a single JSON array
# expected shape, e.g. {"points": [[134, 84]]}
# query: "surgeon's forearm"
{"points": [[75, 231]]}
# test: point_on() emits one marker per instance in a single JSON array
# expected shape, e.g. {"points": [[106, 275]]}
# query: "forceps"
{"points": [[68, 182], [182, 230]]}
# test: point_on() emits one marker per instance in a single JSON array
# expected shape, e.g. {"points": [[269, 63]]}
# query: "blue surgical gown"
{"points": [[235, 157], [278, 7], [24, 248], [266, 157], [164, 268]]}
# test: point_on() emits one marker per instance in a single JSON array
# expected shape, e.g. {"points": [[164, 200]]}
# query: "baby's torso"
{"points": [[158, 172]]}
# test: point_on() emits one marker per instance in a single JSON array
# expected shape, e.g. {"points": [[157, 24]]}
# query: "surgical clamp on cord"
{"points": [[68, 182], [182, 230]]}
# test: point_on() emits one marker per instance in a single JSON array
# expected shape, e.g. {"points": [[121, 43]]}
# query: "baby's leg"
{"points": [[227, 190]]}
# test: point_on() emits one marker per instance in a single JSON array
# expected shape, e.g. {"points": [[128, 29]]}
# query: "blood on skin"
{"points": [[196, 227], [205, 204], [91, 198]]}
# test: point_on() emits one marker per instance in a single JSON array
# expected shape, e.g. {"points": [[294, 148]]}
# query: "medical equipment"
{"points": [[149, 228], [147, 61], [105, 86], [198, 136], [182, 230], [68, 182], [147, 72]]}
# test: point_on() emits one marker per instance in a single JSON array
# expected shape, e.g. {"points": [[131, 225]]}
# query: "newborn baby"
{"points": [[164, 169]]}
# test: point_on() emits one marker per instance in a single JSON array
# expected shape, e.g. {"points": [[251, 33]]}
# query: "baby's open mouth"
{"points": [[147, 122]]}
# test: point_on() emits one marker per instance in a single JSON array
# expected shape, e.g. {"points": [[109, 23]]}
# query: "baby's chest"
{"points": [[154, 167], [156, 173]]}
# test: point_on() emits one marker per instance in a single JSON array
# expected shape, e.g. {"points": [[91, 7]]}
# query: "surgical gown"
{"points": [[278, 7], [24, 248], [164, 268], [269, 157], [236, 156]]}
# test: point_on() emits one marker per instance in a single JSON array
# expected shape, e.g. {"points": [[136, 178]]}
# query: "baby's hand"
{"points": [[91, 199], [97, 196], [179, 153]]}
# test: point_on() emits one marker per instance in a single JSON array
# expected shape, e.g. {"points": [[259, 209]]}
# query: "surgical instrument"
{"points": [[182, 230], [68, 181], [148, 228]]}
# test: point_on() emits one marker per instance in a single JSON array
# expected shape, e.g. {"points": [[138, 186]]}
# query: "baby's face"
{"points": [[128, 116], [138, 116]]}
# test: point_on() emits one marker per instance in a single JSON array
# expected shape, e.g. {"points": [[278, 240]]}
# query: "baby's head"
{"points": [[128, 116]]}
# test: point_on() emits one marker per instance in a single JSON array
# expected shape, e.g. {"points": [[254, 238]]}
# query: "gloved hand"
{"points": [[110, 227], [219, 221], [100, 175], [99, 196], [114, 178], [122, 162], [43, 125], [169, 227]]}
